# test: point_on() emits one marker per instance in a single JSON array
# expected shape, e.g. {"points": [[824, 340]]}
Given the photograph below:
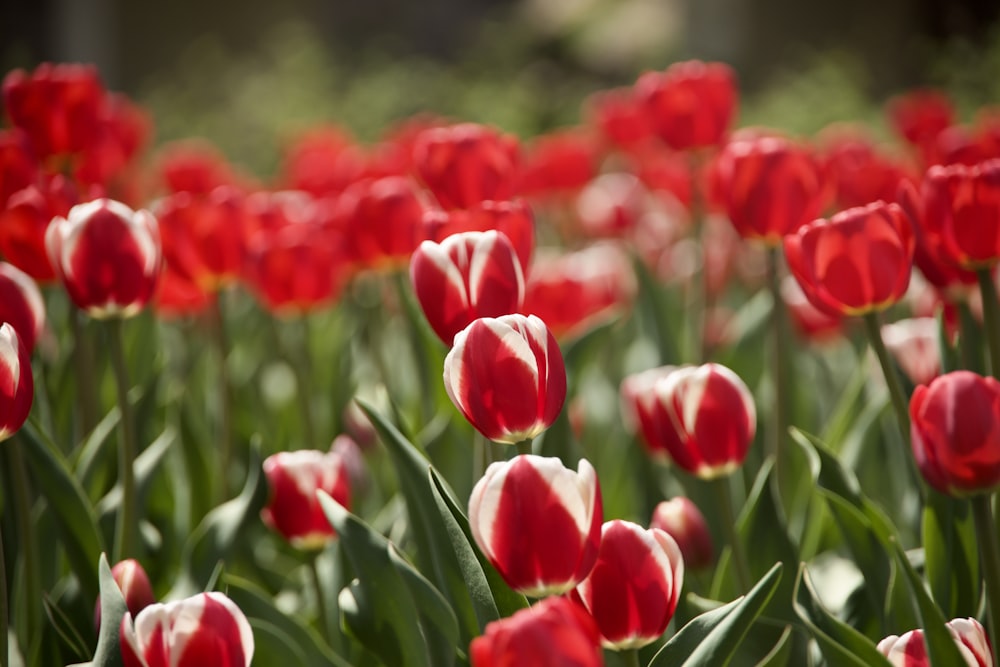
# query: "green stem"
{"points": [[899, 401], [738, 557], [83, 359], [779, 363], [989, 550], [128, 519], [4, 615], [991, 318], [970, 339], [322, 617], [28, 542], [524, 447], [221, 343], [630, 657], [302, 365]]}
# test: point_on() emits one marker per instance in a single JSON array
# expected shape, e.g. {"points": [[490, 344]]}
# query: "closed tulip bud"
{"points": [[961, 214], [857, 262], [292, 508], [17, 384], [107, 256], [506, 375], [955, 427], [134, 585], [465, 277], [910, 649], [682, 520], [538, 522], [632, 591], [913, 343], [556, 632], [207, 629], [21, 304]]}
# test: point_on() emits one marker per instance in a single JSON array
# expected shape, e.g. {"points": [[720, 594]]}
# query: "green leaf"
{"points": [[781, 652], [491, 595], [841, 645], [147, 463], [108, 653], [437, 618], [951, 555], [92, 446], [713, 637], [74, 514], [64, 627]]}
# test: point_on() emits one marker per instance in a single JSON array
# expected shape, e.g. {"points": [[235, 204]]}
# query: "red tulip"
{"points": [[506, 375], [620, 117], [557, 163], [193, 166], [465, 277], [382, 220], [913, 343], [134, 585], [538, 522], [25, 220], [466, 164], [123, 129], [910, 649], [323, 162], [21, 304], [702, 417], [858, 261], [920, 115], [811, 322], [513, 218], [632, 591], [556, 632], [682, 520], [178, 296], [207, 629], [612, 204], [955, 428], [293, 509], [107, 256], [769, 187], [691, 104], [961, 214], [17, 384], [18, 165], [859, 173]]}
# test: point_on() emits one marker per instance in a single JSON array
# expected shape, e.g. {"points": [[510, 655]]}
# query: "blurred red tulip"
{"points": [[611, 205], [26, 218], [858, 172], [465, 277], [811, 322], [323, 162], [134, 585], [556, 632], [914, 345], [465, 164], [620, 117], [682, 520], [910, 649], [123, 130], [920, 115], [557, 164], [107, 256], [21, 304], [632, 591], [178, 296], [955, 424], [506, 375], [961, 214], [769, 187], [293, 509], [194, 166], [18, 165], [382, 220], [513, 218], [207, 629], [538, 522], [690, 104], [858, 261], [17, 384]]}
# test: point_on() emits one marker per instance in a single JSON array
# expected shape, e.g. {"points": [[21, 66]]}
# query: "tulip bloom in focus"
{"points": [[682, 520], [21, 304], [857, 262], [556, 632], [538, 522], [17, 384], [293, 509], [632, 591], [910, 649], [467, 276], [135, 587], [506, 375], [955, 427], [207, 629], [961, 215], [107, 256]]}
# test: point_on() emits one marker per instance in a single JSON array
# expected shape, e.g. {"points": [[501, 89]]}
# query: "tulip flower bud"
{"points": [[107, 256], [538, 522], [632, 591], [17, 384], [913, 343], [955, 427], [910, 649], [206, 629], [556, 632], [506, 375], [961, 214], [857, 262], [465, 277], [682, 520], [21, 304], [134, 585], [293, 509]]}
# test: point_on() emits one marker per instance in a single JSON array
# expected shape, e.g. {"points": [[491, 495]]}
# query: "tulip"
{"points": [[620, 117], [538, 522], [513, 218], [919, 116], [25, 220], [506, 375], [557, 163], [682, 520], [769, 187], [691, 104], [811, 322], [859, 173], [612, 204], [961, 215], [193, 166], [323, 162], [857, 262], [632, 591], [556, 632], [293, 509], [465, 277], [914, 345], [134, 585], [207, 629], [956, 433], [702, 417], [383, 221], [107, 256], [21, 304], [910, 649], [18, 165], [17, 384]]}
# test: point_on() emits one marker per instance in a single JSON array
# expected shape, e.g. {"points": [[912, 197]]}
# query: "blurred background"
{"points": [[247, 73]]}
